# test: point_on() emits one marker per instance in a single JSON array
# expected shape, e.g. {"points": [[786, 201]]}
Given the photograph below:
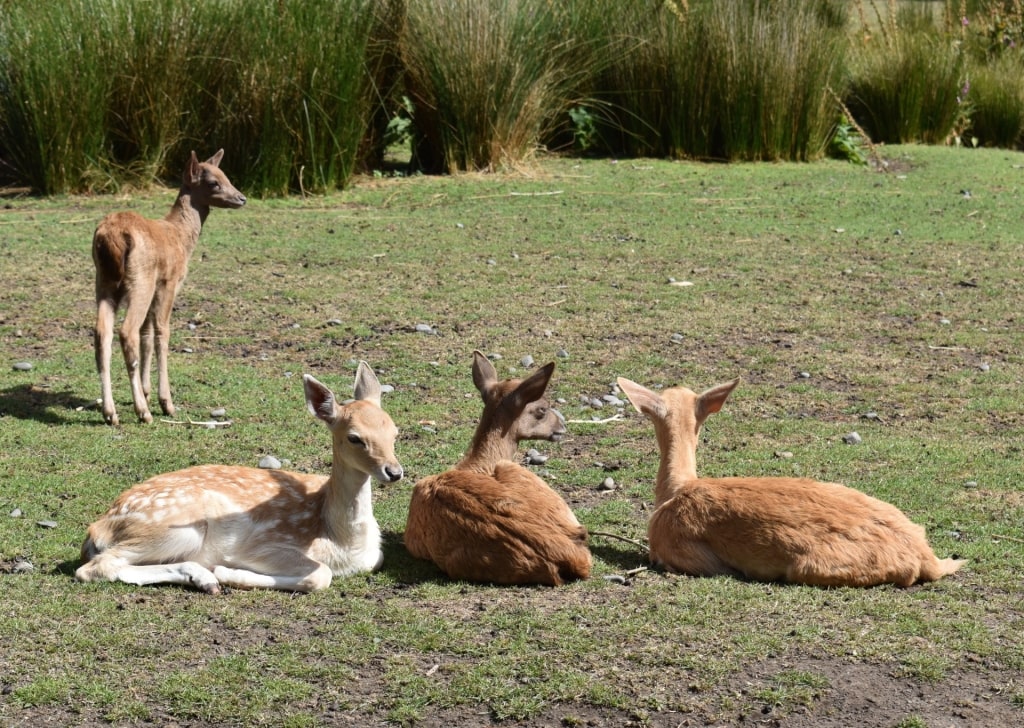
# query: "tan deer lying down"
{"points": [[142, 263], [769, 529], [216, 525], [490, 519]]}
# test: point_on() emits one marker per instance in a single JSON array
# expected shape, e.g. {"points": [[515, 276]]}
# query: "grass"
{"points": [[891, 291]]}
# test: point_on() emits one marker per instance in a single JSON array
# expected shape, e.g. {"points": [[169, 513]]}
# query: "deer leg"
{"points": [[287, 570], [146, 355], [134, 320], [106, 311], [161, 319], [184, 573]]}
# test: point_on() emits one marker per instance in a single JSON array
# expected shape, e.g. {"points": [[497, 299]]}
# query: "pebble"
{"points": [[46, 524], [218, 413], [615, 578], [984, 367], [596, 403], [562, 354], [607, 484], [872, 416], [269, 462], [23, 567], [804, 375], [852, 438], [16, 513], [386, 388], [784, 454], [971, 484], [613, 400], [677, 338], [491, 261], [22, 366], [495, 356], [534, 457], [424, 329], [561, 400], [526, 361], [945, 321], [334, 322]]}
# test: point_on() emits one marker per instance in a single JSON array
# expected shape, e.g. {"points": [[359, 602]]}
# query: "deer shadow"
{"points": [[31, 402]]}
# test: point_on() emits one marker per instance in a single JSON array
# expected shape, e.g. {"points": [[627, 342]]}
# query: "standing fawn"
{"points": [[769, 529], [142, 263], [251, 528], [490, 519]]}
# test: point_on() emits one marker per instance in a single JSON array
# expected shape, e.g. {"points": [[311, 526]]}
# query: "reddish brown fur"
{"points": [[141, 263], [490, 519], [769, 529]]}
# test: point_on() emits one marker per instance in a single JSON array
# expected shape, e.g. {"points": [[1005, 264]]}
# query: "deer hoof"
{"points": [[146, 418]]}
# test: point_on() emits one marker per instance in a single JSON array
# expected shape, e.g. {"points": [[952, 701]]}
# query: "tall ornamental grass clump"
{"points": [[54, 86], [490, 80], [731, 79], [283, 85], [95, 93], [996, 99], [907, 79]]}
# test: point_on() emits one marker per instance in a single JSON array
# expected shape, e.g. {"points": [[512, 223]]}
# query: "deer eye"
{"points": [[215, 186], [356, 439]]}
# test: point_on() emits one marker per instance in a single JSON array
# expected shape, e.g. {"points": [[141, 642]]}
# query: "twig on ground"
{"points": [[633, 541], [1008, 538], [606, 420], [209, 424]]}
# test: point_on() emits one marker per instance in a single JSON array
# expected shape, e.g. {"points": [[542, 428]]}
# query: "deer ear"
{"points": [[320, 400], [367, 385], [484, 375], [215, 159], [532, 388], [712, 400], [643, 400], [191, 176]]}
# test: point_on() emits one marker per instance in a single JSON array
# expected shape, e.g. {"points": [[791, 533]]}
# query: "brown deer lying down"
{"points": [[142, 263], [769, 529], [251, 528], [490, 519]]}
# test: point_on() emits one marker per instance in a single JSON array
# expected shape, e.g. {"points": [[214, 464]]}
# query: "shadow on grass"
{"points": [[31, 402]]}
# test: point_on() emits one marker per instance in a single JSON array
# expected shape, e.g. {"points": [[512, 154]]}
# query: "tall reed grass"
{"points": [[908, 76], [731, 79], [996, 98], [489, 80], [97, 90]]}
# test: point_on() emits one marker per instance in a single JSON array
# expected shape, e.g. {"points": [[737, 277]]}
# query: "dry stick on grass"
{"points": [[210, 424], [633, 541], [1007, 538], [606, 420]]}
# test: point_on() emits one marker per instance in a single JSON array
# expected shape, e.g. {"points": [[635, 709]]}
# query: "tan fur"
{"points": [[490, 519], [141, 263], [251, 528], [769, 529]]}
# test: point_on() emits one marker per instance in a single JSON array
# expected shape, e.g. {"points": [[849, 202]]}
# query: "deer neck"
{"points": [[348, 500], [188, 216], [678, 461], [489, 446]]}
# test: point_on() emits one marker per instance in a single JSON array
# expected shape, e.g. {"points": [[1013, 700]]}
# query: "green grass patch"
{"points": [[846, 299]]}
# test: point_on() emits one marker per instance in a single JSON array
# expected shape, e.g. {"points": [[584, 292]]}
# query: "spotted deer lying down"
{"points": [[769, 529], [490, 519], [216, 525]]}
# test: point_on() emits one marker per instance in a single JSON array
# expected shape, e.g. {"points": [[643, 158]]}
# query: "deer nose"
{"points": [[394, 474]]}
